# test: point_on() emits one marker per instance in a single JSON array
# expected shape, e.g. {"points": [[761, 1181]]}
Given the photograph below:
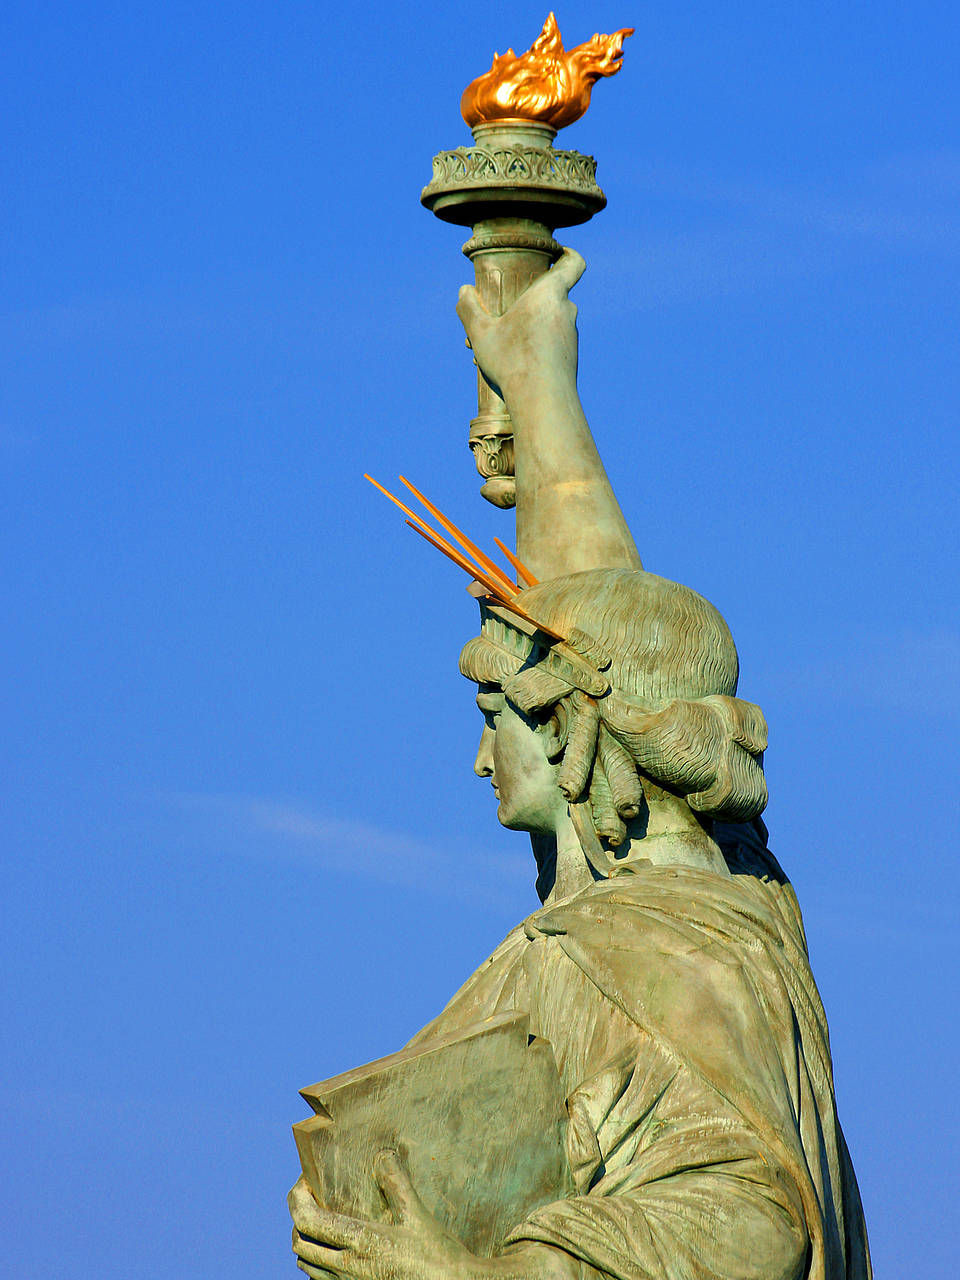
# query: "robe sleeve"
{"points": [[702, 1225], [671, 1186], [706, 1144]]}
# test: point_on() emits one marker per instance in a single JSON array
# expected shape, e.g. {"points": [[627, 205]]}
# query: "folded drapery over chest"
{"points": [[692, 1047]]}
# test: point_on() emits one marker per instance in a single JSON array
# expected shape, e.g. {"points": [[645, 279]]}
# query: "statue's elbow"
{"points": [[792, 1253]]}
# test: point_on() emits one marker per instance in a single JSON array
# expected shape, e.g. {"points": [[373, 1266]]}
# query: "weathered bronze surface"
{"points": [[476, 1116], [663, 991]]}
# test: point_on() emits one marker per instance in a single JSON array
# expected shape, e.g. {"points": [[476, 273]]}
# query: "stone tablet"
{"points": [[477, 1118]]}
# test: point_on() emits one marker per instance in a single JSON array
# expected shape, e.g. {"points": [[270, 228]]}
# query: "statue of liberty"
{"points": [[667, 967], [663, 987]]}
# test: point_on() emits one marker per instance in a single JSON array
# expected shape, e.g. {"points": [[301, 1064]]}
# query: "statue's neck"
{"points": [[666, 833]]}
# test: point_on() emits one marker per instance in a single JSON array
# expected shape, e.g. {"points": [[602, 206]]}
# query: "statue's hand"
{"points": [[537, 335], [413, 1247]]}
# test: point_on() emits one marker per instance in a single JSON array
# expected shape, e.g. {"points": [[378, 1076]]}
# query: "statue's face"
{"points": [[514, 753]]}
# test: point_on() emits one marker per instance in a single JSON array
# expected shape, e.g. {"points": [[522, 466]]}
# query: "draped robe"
{"points": [[693, 1052]]}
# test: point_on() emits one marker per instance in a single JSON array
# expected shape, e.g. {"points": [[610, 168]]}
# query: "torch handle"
{"points": [[508, 254]]}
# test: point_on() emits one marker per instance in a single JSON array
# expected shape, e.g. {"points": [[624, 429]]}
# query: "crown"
{"points": [[527, 639]]}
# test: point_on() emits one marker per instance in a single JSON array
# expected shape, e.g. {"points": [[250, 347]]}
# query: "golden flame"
{"points": [[546, 83]]}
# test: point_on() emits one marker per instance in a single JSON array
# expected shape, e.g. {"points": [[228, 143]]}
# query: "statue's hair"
{"points": [[670, 715], [664, 640]]}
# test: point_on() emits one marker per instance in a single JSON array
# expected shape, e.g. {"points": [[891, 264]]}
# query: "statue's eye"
{"points": [[490, 705]]}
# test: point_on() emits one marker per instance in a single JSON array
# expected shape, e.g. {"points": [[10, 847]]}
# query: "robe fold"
{"points": [[694, 1055]]}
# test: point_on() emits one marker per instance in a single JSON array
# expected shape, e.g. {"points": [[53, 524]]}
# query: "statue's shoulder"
{"points": [[677, 909], [618, 899], [681, 950]]}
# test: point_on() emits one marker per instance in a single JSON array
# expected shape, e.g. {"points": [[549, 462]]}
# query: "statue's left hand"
{"points": [[412, 1247]]}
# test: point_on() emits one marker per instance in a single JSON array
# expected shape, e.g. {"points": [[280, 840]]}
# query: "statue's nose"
{"points": [[483, 765]]}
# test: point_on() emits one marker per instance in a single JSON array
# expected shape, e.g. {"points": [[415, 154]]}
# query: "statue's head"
{"points": [[642, 690], [607, 692]]}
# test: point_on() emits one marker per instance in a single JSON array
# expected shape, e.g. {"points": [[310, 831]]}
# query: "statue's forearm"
{"points": [[561, 481], [567, 516]]}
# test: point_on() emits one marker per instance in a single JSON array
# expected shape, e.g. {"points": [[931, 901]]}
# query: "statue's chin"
{"points": [[523, 822], [507, 821]]}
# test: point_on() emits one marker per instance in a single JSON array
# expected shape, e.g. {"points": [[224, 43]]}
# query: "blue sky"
{"points": [[243, 848]]}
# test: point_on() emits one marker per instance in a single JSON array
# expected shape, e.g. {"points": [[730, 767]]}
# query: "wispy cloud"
{"points": [[905, 922], [909, 200], [264, 828], [735, 234], [917, 672], [713, 262]]}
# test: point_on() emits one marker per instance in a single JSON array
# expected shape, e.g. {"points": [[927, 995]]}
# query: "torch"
{"points": [[514, 189]]}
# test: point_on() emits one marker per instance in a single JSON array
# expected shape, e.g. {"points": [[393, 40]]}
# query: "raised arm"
{"points": [[568, 518]]}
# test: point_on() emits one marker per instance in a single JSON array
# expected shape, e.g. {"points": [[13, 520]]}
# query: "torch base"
{"points": [[472, 184]]}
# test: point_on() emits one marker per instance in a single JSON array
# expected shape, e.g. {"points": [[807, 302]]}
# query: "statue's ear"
{"points": [[553, 731]]}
